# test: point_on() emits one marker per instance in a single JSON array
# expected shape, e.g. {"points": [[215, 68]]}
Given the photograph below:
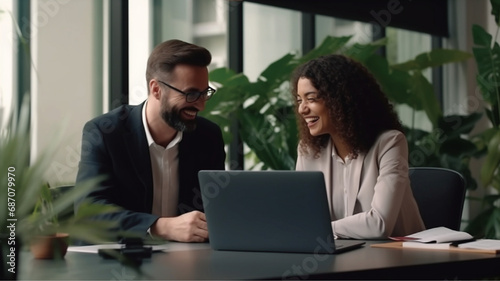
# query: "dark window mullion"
{"points": [[23, 53], [437, 72], [308, 32], [235, 61], [379, 32], [118, 53], [23, 46]]}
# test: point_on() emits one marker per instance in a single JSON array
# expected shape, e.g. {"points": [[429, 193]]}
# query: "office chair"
{"points": [[440, 195]]}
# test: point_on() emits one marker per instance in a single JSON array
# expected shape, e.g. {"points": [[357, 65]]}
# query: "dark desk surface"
{"points": [[200, 262]]}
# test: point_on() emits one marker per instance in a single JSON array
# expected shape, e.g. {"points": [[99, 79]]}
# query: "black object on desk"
{"points": [[456, 243], [133, 249]]}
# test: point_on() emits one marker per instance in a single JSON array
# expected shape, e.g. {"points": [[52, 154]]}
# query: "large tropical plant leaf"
{"points": [[228, 97], [329, 45], [434, 58], [487, 223], [265, 141], [394, 83], [457, 147], [423, 90], [361, 52], [278, 71], [487, 55], [455, 125], [492, 160]]}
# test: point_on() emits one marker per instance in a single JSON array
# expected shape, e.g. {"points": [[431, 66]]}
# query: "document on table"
{"points": [[442, 238], [478, 246], [436, 235], [483, 244]]}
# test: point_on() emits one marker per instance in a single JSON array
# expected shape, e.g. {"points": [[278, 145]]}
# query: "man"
{"points": [[151, 153]]}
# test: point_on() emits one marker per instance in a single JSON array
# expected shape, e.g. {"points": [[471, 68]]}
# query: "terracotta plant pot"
{"points": [[50, 247]]}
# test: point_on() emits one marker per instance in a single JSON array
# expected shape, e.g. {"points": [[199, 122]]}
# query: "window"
{"points": [[404, 45], [209, 29], [140, 41], [201, 22], [7, 58], [269, 33], [329, 26]]}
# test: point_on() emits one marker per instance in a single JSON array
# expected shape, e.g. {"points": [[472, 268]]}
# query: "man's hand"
{"points": [[189, 227]]}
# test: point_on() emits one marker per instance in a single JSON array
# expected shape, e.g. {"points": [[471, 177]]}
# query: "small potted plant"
{"points": [[53, 223], [47, 242]]}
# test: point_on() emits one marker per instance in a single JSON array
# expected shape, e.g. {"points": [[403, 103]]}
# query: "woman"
{"points": [[350, 132]]}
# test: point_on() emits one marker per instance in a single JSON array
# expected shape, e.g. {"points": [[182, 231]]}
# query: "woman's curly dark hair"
{"points": [[354, 100]]}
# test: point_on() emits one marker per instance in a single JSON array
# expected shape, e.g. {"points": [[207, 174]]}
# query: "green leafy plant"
{"points": [[53, 213], [32, 202], [267, 125], [33, 208], [28, 209], [486, 52]]}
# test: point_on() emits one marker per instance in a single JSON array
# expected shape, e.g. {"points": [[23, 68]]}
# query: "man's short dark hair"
{"points": [[168, 54]]}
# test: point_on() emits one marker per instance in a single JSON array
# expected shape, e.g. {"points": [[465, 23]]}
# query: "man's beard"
{"points": [[174, 120]]}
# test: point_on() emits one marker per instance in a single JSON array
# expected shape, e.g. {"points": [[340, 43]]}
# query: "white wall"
{"points": [[66, 78]]}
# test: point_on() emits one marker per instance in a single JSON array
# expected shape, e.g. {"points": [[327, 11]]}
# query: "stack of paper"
{"points": [[445, 238], [436, 235], [434, 238]]}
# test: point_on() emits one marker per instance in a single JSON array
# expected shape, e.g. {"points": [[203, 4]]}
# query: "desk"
{"points": [[200, 262]]}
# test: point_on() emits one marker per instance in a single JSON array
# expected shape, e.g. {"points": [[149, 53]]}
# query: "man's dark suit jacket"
{"points": [[115, 145]]}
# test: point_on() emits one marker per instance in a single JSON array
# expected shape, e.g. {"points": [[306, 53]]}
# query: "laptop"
{"points": [[269, 211]]}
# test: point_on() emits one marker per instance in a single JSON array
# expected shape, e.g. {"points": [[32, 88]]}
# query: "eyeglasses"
{"points": [[193, 96]]}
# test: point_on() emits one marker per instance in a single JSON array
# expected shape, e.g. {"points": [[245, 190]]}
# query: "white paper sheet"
{"points": [[483, 244]]}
